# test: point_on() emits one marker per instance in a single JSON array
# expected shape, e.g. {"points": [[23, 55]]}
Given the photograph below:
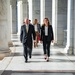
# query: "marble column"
{"points": [[61, 20], [70, 28], [42, 10], [74, 27], [9, 19], [30, 9], [46, 10], [34, 10], [20, 14], [4, 26], [61, 23], [54, 19], [14, 17], [25, 9]]}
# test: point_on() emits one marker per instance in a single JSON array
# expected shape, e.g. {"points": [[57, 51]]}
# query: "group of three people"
{"points": [[28, 35]]}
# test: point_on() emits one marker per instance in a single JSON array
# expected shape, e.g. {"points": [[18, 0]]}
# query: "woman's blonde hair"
{"points": [[35, 21], [47, 20]]}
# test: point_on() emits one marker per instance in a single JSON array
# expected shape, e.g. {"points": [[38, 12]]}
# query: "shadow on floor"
{"points": [[38, 72]]}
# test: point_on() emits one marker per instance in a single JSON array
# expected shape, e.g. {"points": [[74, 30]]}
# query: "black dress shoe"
{"points": [[30, 56], [47, 60], [26, 61]]}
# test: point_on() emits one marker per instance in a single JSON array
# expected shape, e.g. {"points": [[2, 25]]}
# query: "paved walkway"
{"points": [[59, 63]]}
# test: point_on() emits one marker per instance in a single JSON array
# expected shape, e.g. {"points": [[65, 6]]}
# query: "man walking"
{"points": [[27, 30]]}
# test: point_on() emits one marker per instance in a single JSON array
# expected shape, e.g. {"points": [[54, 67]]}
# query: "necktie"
{"points": [[27, 28]]}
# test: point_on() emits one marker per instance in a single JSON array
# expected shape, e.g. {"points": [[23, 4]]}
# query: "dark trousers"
{"points": [[27, 51], [46, 46]]}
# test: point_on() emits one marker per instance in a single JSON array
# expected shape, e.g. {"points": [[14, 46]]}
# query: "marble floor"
{"points": [[59, 62]]}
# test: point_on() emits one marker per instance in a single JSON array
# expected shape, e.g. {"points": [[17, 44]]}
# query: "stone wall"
{"points": [[35, 10], [48, 9], [61, 20]]}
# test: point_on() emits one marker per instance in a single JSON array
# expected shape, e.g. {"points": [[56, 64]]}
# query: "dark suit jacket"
{"points": [[27, 37], [50, 33]]}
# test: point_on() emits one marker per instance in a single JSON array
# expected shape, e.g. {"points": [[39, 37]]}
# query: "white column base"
{"points": [[10, 44], [68, 50], [18, 33], [74, 51], [4, 52]]}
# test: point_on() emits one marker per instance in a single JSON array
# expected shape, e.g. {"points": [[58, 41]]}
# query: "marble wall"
{"points": [[61, 20], [48, 9], [35, 10]]}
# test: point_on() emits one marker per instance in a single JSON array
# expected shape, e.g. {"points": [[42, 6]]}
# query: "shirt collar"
{"points": [[27, 24]]}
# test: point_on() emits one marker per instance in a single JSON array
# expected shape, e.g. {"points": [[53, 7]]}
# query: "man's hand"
{"points": [[34, 40]]}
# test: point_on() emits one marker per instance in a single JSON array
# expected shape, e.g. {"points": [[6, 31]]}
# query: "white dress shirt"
{"points": [[46, 30], [27, 28], [36, 29]]}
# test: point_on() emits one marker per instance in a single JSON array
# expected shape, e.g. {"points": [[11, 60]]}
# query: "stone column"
{"points": [[11, 17], [20, 14], [14, 17], [46, 10], [61, 20], [70, 28], [42, 10], [9, 20], [25, 9], [74, 27], [4, 26], [34, 10], [30, 9], [54, 19]]}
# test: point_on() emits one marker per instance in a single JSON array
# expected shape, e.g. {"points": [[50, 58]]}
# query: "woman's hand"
{"points": [[40, 41], [52, 41]]}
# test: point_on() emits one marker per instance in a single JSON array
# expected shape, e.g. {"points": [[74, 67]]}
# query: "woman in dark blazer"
{"points": [[46, 37]]}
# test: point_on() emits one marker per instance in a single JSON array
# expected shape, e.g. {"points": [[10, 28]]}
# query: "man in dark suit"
{"points": [[27, 30]]}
